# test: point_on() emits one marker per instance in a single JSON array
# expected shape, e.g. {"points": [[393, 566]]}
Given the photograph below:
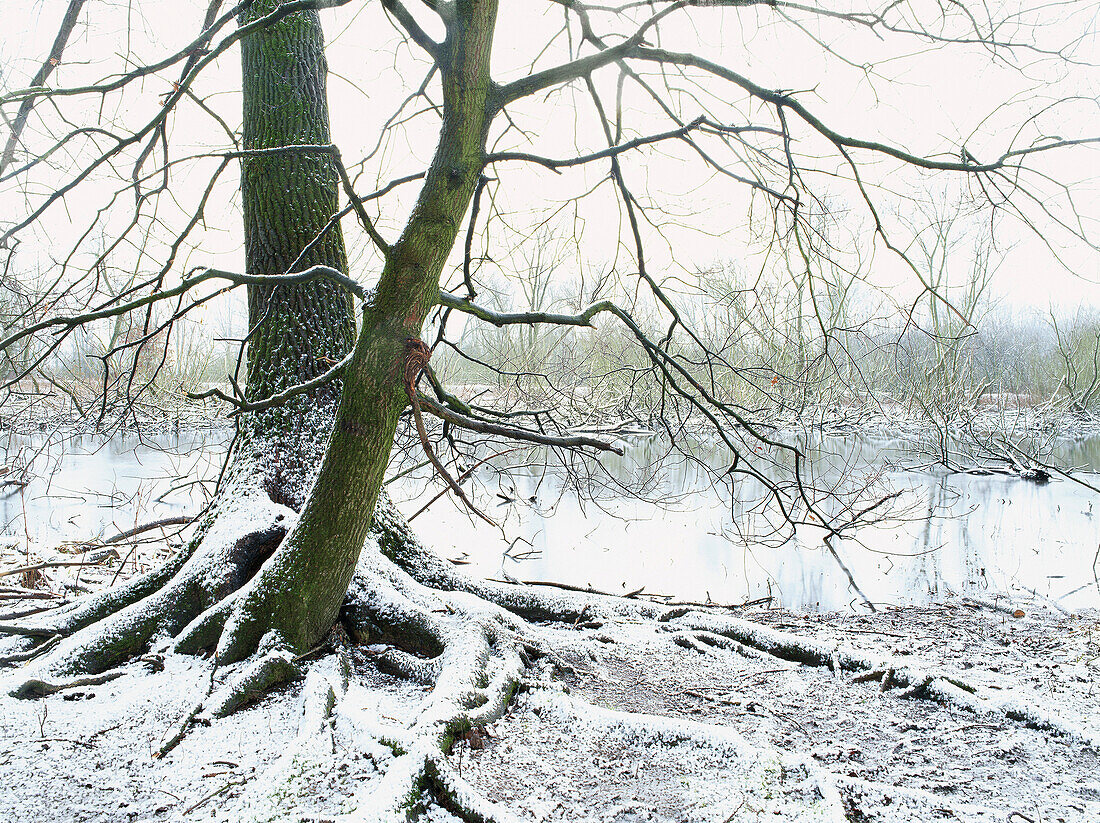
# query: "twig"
{"points": [[63, 740], [168, 521], [26, 594], [484, 427], [874, 631], [759, 601], [185, 722], [1096, 567], [986, 604], [21, 631], [55, 564], [461, 477], [30, 654], [179, 520], [39, 609], [215, 793], [851, 578], [662, 599], [180, 731], [551, 583]]}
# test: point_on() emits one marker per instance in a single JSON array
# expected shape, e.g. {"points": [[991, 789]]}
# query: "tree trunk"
{"points": [[296, 332], [298, 593], [241, 585]]}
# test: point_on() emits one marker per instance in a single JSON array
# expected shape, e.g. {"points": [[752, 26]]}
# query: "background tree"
{"points": [[265, 586]]}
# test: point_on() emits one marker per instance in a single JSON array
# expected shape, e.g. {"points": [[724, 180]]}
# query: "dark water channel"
{"points": [[952, 533]]}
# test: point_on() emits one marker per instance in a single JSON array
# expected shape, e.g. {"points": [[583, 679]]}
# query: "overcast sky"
{"points": [[922, 99]]}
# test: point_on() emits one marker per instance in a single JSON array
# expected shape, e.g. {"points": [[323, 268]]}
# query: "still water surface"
{"points": [[960, 534]]}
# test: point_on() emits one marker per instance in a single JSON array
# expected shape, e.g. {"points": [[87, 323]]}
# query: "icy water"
{"points": [[953, 534]]}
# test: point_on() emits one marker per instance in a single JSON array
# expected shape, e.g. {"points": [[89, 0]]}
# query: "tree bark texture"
{"points": [[296, 332]]}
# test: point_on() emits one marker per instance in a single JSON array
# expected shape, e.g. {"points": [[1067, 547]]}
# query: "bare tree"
{"points": [[638, 89]]}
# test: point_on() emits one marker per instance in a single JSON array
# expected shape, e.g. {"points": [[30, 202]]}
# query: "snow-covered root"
{"points": [[256, 678], [234, 545], [243, 684], [75, 616], [459, 798], [40, 635], [762, 773], [294, 776], [33, 687], [930, 683], [31, 652], [474, 677], [473, 690], [71, 618], [469, 651], [732, 634], [471, 654]]}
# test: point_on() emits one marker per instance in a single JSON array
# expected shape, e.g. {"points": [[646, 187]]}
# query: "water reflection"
{"points": [[954, 534], [86, 486], [683, 535]]}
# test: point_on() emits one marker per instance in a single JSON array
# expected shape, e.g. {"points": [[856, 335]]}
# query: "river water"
{"points": [[952, 534]]}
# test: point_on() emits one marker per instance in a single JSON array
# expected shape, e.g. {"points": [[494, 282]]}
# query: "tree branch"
{"points": [[188, 283], [242, 406], [584, 66], [967, 164], [512, 432], [44, 71], [499, 319], [554, 165], [404, 18]]}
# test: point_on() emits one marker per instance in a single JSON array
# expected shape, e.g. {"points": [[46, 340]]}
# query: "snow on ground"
{"points": [[620, 724], [953, 759]]}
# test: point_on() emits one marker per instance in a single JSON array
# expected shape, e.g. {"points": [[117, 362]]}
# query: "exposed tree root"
{"points": [[33, 687], [115, 627], [254, 681], [763, 770], [398, 542], [30, 653], [179, 731], [460, 798], [722, 631], [909, 681], [477, 674]]}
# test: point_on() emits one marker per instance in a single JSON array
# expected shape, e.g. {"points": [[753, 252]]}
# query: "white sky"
{"points": [[921, 99]]}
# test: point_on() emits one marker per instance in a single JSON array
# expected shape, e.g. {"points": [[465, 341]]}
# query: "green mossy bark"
{"points": [[297, 332], [299, 592]]}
